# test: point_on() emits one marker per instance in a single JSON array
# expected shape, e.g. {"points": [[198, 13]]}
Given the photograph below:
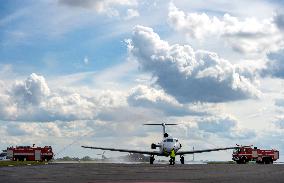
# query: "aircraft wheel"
{"points": [[171, 161], [182, 159], [152, 159]]}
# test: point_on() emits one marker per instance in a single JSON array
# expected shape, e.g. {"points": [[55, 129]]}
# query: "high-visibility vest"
{"points": [[173, 154]]}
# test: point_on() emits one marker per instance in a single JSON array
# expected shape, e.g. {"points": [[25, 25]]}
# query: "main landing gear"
{"points": [[172, 160], [182, 159], [152, 159]]}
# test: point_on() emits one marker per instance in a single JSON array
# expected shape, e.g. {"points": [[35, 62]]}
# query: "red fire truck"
{"points": [[244, 154], [28, 153]]}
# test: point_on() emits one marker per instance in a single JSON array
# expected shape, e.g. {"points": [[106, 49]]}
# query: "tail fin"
{"points": [[163, 125]]}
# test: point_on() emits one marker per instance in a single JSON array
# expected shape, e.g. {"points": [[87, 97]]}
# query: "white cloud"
{"points": [[144, 96], [189, 75], [8, 109], [279, 102], [250, 36], [33, 129], [101, 6], [275, 64], [33, 100], [31, 91], [224, 126], [131, 13], [279, 20], [279, 122], [216, 125]]}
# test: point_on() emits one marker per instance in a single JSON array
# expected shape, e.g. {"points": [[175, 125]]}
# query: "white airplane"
{"points": [[165, 147]]}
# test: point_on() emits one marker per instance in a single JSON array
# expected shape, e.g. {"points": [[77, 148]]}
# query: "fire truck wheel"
{"points": [[244, 160], [268, 161], [239, 162]]}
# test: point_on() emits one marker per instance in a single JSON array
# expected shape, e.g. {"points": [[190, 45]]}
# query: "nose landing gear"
{"points": [[172, 161], [152, 159], [182, 159]]}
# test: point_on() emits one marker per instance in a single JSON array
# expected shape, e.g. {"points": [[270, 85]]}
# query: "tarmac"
{"points": [[110, 172]]}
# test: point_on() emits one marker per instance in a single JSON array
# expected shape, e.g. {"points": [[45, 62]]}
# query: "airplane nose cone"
{"points": [[169, 147]]}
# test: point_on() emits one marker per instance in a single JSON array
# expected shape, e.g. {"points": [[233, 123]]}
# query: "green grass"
{"points": [[20, 163]]}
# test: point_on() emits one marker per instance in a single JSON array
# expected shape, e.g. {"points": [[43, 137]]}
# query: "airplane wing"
{"points": [[124, 150], [204, 150]]}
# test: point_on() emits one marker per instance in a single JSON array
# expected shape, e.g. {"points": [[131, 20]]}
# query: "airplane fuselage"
{"points": [[168, 144]]}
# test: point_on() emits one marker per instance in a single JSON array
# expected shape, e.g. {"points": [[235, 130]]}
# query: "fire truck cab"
{"points": [[244, 154]]}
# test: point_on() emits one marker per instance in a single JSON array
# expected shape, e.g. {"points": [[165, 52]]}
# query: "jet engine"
{"points": [[154, 146]]}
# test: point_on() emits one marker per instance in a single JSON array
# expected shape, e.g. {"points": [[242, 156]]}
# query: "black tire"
{"points": [[182, 159], [239, 162], [268, 161], [244, 160], [152, 159], [265, 160], [172, 161]]}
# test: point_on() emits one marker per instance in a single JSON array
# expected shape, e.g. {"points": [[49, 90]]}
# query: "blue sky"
{"points": [[86, 70], [33, 43]]}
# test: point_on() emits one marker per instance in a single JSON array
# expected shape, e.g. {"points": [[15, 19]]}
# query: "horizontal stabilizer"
{"points": [[163, 125]]}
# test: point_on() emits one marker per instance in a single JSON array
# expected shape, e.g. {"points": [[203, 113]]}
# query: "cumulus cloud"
{"points": [[33, 100], [279, 20], [216, 125], [33, 129], [248, 36], [131, 13], [275, 64], [101, 6], [224, 126], [31, 91], [8, 109], [147, 97], [189, 75], [279, 123], [279, 102]]}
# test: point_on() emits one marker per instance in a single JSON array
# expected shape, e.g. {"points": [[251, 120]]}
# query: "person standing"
{"points": [[172, 156]]}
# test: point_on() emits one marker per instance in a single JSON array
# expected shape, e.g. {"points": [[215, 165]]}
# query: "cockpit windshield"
{"points": [[170, 140]]}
